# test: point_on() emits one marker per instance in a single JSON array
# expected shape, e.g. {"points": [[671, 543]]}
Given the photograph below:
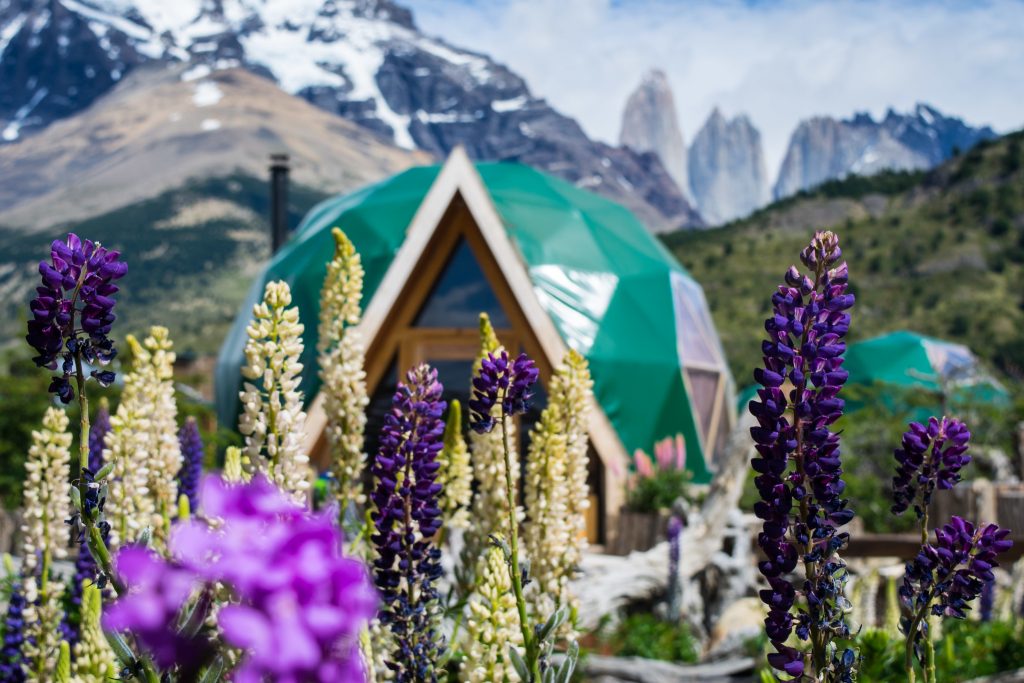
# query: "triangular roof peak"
{"points": [[459, 179]]}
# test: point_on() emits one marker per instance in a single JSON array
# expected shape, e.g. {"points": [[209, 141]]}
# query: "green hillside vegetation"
{"points": [[941, 253], [192, 253]]}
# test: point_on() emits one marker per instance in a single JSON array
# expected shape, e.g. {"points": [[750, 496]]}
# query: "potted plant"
{"points": [[653, 488]]}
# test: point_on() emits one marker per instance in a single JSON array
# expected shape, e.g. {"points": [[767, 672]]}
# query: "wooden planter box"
{"points": [[638, 531]]}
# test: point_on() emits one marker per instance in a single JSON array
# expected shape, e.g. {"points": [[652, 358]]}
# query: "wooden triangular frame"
{"points": [[457, 182]]}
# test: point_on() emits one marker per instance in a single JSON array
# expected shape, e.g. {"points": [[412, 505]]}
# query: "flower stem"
{"points": [[532, 662], [928, 666], [94, 539]]}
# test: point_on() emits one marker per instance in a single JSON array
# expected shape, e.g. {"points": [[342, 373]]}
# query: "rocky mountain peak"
{"points": [[726, 167], [823, 148], [650, 123], [364, 60]]}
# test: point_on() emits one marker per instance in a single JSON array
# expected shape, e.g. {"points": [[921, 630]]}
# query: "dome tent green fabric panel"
{"points": [[600, 276], [908, 359]]}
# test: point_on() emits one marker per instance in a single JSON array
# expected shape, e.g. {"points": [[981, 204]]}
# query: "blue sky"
{"points": [[774, 60]]}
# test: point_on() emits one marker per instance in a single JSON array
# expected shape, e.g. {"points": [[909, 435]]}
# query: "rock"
{"points": [[650, 123], [637, 670], [823, 148], [738, 623], [726, 167]]}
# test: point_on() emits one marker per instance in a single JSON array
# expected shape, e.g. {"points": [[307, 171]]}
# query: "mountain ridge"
{"points": [[364, 60], [940, 252], [823, 148]]}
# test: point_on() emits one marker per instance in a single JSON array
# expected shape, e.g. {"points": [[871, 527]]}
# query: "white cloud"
{"points": [[777, 61]]}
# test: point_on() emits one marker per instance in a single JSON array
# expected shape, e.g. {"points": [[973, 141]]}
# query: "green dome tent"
{"points": [[913, 361], [611, 290], [907, 361]]}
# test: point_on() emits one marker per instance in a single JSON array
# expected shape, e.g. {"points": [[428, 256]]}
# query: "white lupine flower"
{"points": [[375, 644], [94, 660], [492, 625], [46, 506], [272, 420], [234, 468], [154, 360], [42, 614], [490, 504], [143, 444], [456, 473], [341, 359], [46, 494], [556, 489]]}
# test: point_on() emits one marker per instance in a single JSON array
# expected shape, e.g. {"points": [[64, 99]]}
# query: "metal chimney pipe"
{"points": [[278, 201]]}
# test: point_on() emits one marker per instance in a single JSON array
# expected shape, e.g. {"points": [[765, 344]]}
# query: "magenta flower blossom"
{"points": [[157, 591], [299, 603]]}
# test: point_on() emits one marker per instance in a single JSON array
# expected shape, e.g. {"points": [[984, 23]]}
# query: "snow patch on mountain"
{"points": [[206, 94]]}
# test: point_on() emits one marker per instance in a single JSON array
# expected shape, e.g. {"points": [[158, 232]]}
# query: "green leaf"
{"points": [[519, 664], [214, 672], [553, 622], [104, 472], [121, 650], [569, 663], [196, 615], [145, 536], [76, 498]]}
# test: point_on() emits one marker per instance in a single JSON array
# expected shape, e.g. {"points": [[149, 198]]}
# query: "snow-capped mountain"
{"points": [[727, 171], [823, 148], [362, 59]]}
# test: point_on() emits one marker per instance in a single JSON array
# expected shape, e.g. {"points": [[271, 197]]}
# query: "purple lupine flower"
{"points": [[14, 638], [499, 379], [97, 434], [987, 602], [929, 456], [406, 519], [76, 283], [192, 454], [299, 603], [804, 348], [950, 573]]}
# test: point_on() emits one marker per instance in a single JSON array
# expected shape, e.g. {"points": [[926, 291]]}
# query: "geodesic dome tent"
{"points": [[554, 266], [914, 361]]}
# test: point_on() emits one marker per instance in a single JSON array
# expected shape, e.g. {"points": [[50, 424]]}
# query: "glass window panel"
{"points": [[695, 333], [724, 431], [703, 392], [461, 294]]}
